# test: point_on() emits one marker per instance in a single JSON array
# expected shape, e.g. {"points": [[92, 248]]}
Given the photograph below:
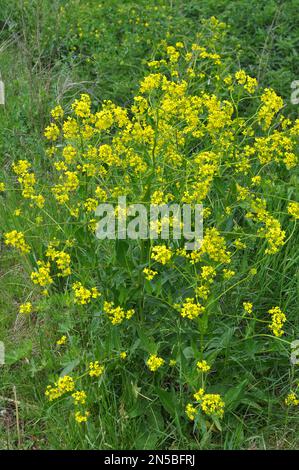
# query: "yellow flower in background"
{"points": [[79, 397], [81, 418], [292, 399], [95, 369], [57, 112], [161, 254], [278, 320], [63, 385], [17, 240], [83, 295], [25, 308], [203, 366], [228, 273], [2, 187], [52, 132], [272, 103], [117, 314], [154, 362], [82, 106], [70, 128], [293, 209], [191, 411], [149, 274], [123, 355], [248, 307], [42, 276], [191, 309], [212, 404], [61, 341]]}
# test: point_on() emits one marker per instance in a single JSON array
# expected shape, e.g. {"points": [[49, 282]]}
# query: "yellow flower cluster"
{"points": [[161, 254], [292, 399], [278, 319], [63, 385], [27, 180], [248, 307], [83, 295], [210, 403], [207, 276], [17, 240], [191, 411], [95, 369], [191, 309], [42, 276], [52, 132], [293, 209], [79, 397], [117, 314], [248, 82], [154, 362], [82, 106], [203, 366], [81, 418], [61, 259], [61, 341], [149, 273], [25, 308], [272, 103], [57, 112], [214, 246], [271, 229]]}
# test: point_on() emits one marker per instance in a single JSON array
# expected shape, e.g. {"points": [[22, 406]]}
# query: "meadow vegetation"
{"points": [[142, 344]]}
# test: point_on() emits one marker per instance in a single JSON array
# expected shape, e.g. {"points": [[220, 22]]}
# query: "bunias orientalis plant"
{"points": [[196, 134]]}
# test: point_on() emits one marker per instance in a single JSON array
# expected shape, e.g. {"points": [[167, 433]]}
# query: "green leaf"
{"points": [[233, 395], [21, 351]]}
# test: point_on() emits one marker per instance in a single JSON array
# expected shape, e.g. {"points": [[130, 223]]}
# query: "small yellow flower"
{"points": [[228, 273], [198, 395], [149, 274], [17, 240], [278, 319], [172, 363], [203, 366], [248, 307], [161, 254], [81, 418], [154, 362], [95, 369], [293, 209], [57, 112], [292, 399], [191, 309], [79, 397], [61, 341], [26, 308], [123, 355], [52, 132], [191, 411]]}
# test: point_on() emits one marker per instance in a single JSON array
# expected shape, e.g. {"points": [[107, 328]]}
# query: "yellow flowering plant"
{"points": [[193, 134]]}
